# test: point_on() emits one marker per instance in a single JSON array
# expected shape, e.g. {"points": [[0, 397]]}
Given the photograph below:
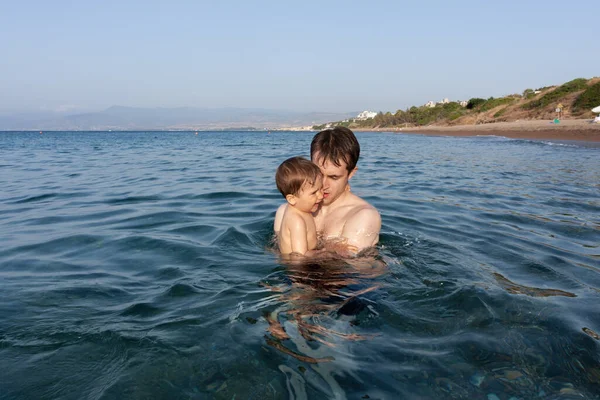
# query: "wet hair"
{"points": [[293, 173], [335, 145]]}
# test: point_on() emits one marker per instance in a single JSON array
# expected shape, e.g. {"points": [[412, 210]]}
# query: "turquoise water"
{"points": [[138, 265]]}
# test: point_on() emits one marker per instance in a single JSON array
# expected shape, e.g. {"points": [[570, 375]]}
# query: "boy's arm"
{"points": [[298, 240]]}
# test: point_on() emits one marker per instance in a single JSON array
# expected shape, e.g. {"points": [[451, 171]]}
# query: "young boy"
{"points": [[300, 182]]}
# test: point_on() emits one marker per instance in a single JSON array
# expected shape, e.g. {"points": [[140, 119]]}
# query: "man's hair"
{"points": [[335, 145], [293, 172]]}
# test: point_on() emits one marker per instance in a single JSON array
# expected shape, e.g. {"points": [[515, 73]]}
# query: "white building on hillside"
{"points": [[365, 115], [430, 104]]}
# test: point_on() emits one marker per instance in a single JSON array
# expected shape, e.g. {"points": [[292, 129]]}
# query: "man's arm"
{"points": [[361, 230]]}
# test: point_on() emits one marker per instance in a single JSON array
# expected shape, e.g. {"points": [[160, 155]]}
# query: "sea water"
{"points": [[140, 265]]}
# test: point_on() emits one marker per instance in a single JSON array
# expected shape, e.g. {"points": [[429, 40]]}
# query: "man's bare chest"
{"points": [[331, 224]]}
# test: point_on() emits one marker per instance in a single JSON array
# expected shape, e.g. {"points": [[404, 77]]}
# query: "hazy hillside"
{"points": [[577, 98], [131, 118]]}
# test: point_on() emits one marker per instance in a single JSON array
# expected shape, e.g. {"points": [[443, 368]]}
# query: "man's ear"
{"points": [[291, 199], [351, 174]]}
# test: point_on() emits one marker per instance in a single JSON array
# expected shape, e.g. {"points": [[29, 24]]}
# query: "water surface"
{"points": [[139, 265]]}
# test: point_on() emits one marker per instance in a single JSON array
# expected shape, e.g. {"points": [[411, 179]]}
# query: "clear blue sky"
{"points": [[307, 56]]}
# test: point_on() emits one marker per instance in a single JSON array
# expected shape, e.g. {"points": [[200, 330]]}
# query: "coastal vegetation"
{"points": [[575, 99], [590, 98], [553, 96]]}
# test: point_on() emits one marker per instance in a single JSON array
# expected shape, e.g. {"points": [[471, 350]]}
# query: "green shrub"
{"points": [[588, 99], [529, 93], [500, 113], [455, 115], [425, 115], [452, 106], [551, 97], [493, 103], [474, 102]]}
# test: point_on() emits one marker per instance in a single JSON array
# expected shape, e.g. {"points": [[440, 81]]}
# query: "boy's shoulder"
{"points": [[281, 209], [288, 215], [288, 218], [279, 217]]}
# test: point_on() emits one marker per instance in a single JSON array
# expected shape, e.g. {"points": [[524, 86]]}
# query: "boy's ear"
{"points": [[291, 199]]}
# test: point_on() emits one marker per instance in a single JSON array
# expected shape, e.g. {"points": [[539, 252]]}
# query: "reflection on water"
{"points": [[318, 312], [137, 265], [515, 288], [312, 294]]}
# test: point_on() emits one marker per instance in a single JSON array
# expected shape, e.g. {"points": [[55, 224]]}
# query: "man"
{"points": [[344, 220], [347, 223]]}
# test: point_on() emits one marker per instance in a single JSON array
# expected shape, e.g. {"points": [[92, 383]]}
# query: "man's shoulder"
{"points": [[367, 209], [362, 225], [363, 214], [361, 206]]}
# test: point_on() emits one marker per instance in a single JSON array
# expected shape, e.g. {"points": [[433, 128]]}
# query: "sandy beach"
{"points": [[576, 129]]}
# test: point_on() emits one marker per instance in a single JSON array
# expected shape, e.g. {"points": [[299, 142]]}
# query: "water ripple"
{"points": [[141, 265]]}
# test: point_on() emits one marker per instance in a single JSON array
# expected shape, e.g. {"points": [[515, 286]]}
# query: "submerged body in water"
{"points": [[138, 265], [311, 294]]}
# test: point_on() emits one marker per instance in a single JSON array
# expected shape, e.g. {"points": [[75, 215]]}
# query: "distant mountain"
{"points": [[182, 118]]}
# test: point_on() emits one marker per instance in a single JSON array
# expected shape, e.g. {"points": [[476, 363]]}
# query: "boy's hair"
{"points": [[336, 144], [293, 172]]}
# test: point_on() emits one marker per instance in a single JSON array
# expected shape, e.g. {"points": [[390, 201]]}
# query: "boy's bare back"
{"points": [[291, 224]]}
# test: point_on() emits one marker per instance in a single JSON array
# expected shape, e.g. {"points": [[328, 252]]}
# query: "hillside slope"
{"points": [[576, 97]]}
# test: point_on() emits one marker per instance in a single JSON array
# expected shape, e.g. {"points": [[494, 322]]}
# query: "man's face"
{"points": [[335, 178]]}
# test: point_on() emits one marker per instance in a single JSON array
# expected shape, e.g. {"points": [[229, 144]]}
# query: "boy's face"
{"points": [[308, 198], [335, 178]]}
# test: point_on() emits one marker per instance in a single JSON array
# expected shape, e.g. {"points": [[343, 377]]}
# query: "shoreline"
{"points": [[578, 130]]}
